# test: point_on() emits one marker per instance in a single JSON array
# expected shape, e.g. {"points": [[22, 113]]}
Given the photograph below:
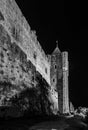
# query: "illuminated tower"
{"points": [[65, 82], [56, 76], [59, 78]]}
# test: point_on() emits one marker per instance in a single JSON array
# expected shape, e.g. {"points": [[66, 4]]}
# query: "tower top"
{"points": [[57, 50]]}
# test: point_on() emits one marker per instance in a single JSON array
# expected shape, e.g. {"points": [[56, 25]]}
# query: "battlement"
{"points": [[20, 32]]}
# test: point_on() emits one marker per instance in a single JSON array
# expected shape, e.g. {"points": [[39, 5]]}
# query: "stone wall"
{"points": [[20, 32], [15, 70], [22, 57], [22, 88], [23, 63]]}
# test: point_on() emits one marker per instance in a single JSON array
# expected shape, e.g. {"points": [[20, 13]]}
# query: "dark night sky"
{"points": [[65, 21]]}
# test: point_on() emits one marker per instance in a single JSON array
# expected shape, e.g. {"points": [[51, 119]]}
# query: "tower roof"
{"points": [[57, 50]]}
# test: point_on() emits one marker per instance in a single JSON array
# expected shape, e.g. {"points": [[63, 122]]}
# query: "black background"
{"points": [[65, 21]]}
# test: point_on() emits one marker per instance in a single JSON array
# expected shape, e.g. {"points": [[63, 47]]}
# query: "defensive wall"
{"points": [[21, 33], [21, 57]]}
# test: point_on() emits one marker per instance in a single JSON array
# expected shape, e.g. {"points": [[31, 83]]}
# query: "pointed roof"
{"points": [[57, 50]]}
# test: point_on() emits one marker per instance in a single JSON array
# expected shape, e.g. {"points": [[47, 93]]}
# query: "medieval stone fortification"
{"points": [[22, 58]]}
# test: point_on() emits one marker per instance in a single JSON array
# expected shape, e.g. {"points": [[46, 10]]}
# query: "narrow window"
{"points": [[55, 66], [46, 70], [53, 80]]}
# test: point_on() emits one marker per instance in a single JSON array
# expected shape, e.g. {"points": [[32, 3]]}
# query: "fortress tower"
{"points": [[65, 82], [59, 78]]}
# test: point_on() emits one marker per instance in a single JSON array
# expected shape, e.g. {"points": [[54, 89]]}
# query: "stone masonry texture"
{"points": [[28, 81]]}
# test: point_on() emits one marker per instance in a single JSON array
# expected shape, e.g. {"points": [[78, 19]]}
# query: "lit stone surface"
{"points": [[24, 64], [65, 82]]}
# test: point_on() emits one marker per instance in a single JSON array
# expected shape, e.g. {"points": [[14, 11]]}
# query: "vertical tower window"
{"points": [[46, 70], [53, 80], [55, 66]]}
